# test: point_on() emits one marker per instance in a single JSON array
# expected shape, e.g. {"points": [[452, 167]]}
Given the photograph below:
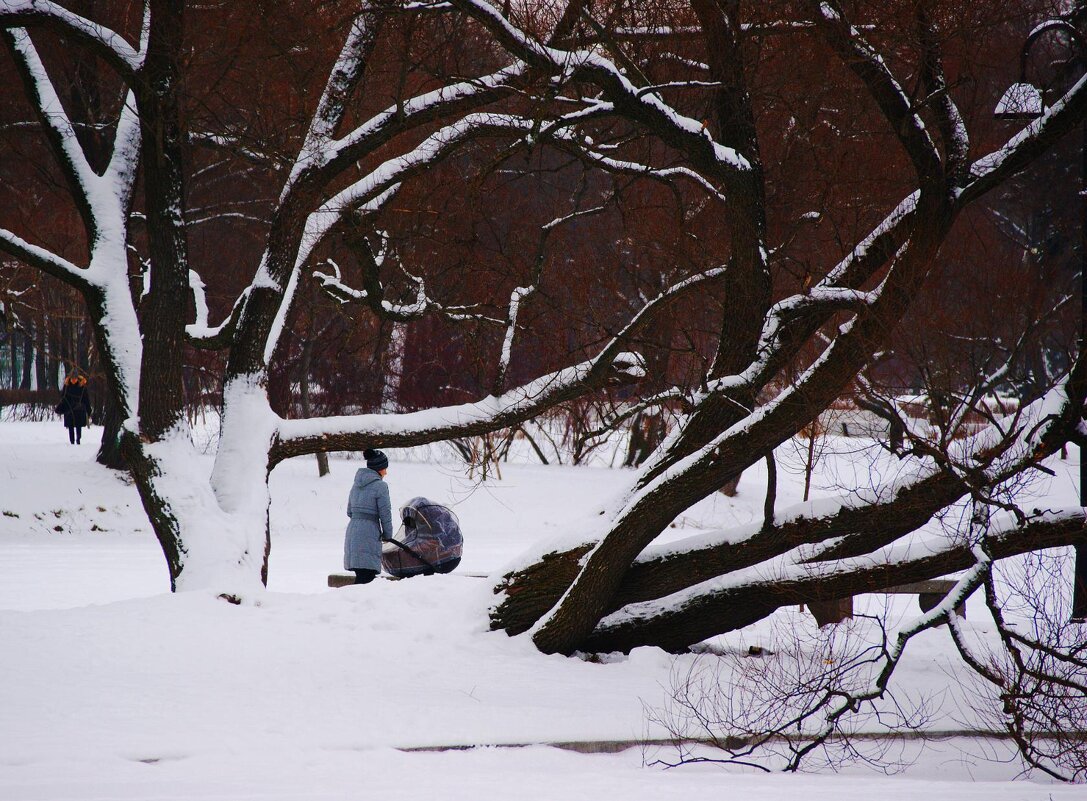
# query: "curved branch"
{"points": [[106, 43], [680, 131], [867, 64]]}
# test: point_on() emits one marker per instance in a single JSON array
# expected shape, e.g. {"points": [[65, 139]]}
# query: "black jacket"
{"points": [[75, 405]]}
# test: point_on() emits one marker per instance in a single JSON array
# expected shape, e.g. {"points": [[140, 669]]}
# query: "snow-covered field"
{"points": [[110, 687]]}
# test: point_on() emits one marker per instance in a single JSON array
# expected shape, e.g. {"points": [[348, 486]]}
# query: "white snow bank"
{"points": [[112, 688]]}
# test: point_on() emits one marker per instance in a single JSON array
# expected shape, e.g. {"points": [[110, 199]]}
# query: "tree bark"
{"points": [[110, 453], [732, 609], [162, 392]]}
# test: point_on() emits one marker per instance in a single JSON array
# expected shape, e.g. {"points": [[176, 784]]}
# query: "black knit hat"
{"points": [[375, 460]]}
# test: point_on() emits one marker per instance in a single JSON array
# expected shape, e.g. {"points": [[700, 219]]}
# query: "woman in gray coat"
{"points": [[371, 514]]}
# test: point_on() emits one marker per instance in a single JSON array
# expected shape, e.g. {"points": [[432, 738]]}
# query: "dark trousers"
{"points": [[75, 434], [363, 576]]}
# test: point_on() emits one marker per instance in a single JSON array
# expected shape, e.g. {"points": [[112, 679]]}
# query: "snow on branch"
{"points": [[237, 145], [296, 437], [369, 193], [124, 162], [725, 603], [952, 126], [107, 43], [335, 286], [868, 65], [339, 290], [43, 259], [200, 333], [101, 199], [419, 110], [686, 32], [665, 174], [1028, 143], [58, 124], [687, 134], [341, 82]]}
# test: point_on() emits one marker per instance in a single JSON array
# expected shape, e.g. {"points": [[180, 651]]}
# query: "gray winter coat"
{"points": [[371, 514]]}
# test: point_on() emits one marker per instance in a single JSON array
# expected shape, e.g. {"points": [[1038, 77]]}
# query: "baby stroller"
{"points": [[428, 542]]}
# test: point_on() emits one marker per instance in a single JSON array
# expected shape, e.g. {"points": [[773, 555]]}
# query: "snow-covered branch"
{"points": [[373, 190], [44, 260], [124, 163], [299, 437], [681, 131], [952, 126], [58, 126], [422, 109], [738, 599], [239, 146], [868, 65], [1035, 139], [341, 83], [423, 304], [110, 45], [200, 333], [101, 199]]}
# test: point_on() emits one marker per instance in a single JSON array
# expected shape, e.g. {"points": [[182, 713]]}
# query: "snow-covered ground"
{"points": [[110, 687]]}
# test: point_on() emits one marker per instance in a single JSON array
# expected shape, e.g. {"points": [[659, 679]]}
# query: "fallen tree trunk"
{"points": [[675, 624]]}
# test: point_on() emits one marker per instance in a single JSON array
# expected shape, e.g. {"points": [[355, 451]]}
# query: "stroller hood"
{"points": [[431, 537]]}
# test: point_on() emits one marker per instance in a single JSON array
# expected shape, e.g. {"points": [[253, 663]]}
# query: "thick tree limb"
{"points": [[106, 43], [357, 432], [299, 437], [676, 623], [44, 260]]}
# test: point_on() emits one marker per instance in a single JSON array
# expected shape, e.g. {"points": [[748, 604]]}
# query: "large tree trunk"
{"points": [[206, 546], [162, 392]]}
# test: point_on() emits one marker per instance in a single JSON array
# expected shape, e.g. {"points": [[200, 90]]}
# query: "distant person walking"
{"points": [[75, 405], [371, 513]]}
